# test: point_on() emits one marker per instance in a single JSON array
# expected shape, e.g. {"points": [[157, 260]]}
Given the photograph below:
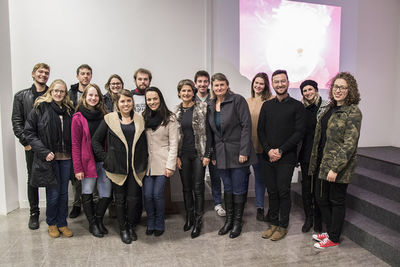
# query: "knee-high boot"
{"points": [[199, 210], [132, 204], [121, 218], [87, 201], [100, 211], [188, 199], [229, 214], [239, 202]]}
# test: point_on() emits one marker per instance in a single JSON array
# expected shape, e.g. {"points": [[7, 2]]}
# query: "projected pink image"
{"points": [[300, 37]]}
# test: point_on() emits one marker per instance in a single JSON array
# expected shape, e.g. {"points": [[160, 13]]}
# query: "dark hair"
{"points": [[266, 94], [127, 93], [353, 95], [107, 85], [83, 66], [142, 70], [201, 73], [277, 72], [186, 82], [82, 100], [219, 77], [163, 109]]}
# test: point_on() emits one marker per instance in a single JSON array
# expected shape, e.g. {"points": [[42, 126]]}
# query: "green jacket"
{"points": [[340, 149]]}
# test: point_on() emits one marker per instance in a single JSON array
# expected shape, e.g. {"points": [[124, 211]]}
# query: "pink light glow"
{"points": [[302, 38]]}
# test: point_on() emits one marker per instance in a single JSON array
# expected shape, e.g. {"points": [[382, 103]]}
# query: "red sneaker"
{"points": [[320, 237], [326, 243]]}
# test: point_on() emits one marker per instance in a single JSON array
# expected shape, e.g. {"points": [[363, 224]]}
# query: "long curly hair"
{"points": [[48, 98], [353, 95]]}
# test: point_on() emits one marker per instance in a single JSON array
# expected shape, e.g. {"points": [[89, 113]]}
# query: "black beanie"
{"points": [[308, 82]]}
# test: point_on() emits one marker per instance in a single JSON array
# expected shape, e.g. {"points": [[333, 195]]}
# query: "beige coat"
{"points": [[162, 147]]}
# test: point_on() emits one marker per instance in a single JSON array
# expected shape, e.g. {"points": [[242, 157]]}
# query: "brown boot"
{"points": [[53, 231], [279, 234], [268, 233], [65, 231]]}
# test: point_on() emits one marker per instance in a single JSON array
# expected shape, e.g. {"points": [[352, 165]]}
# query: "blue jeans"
{"points": [[154, 202], [215, 184], [236, 180], [57, 195], [103, 183], [259, 181]]}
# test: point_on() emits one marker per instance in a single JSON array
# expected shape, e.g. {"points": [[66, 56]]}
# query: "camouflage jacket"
{"points": [[340, 149]]}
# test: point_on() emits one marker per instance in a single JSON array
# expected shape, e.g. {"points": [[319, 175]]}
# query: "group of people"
{"points": [[126, 144]]}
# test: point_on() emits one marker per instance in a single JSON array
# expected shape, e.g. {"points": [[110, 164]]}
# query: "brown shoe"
{"points": [[268, 233], [279, 234], [53, 231], [65, 231]]}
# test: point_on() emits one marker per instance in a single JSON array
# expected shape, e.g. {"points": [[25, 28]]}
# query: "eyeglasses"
{"points": [[340, 88], [61, 92], [115, 84]]}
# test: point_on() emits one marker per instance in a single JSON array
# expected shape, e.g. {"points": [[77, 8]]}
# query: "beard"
{"points": [[284, 92]]}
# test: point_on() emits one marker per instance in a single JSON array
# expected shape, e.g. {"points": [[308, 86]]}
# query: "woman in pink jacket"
{"points": [[87, 168]]}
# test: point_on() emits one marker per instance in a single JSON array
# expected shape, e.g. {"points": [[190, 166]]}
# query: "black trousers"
{"points": [[310, 205], [128, 199], [192, 177], [278, 180], [331, 198], [33, 192]]}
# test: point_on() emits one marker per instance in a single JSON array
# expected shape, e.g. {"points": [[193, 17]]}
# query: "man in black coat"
{"points": [[22, 105], [281, 127], [84, 76]]}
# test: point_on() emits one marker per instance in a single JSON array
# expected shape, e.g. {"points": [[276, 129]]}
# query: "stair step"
{"points": [[376, 238], [374, 206], [383, 159], [379, 183]]}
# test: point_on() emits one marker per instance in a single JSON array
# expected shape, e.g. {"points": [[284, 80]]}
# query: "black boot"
{"points": [[189, 207], [260, 214], [100, 211], [238, 209], [121, 218], [189, 221], [34, 221], [229, 214], [124, 234], [199, 207], [133, 203], [132, 233], [197, 227], [307, 225], [87, 203]]}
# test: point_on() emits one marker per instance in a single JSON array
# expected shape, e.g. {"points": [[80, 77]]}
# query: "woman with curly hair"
{"points": [[333, 155], [113, 86]]}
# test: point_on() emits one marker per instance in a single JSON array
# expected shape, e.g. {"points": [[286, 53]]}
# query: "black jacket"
{"points": [[37, 132], [73, 93], [115, 158], [281, 125], [108, 102], [22, 106], [235, 136]]}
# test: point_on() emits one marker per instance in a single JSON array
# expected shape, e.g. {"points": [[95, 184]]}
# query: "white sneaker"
{"points": [[220, 210]]}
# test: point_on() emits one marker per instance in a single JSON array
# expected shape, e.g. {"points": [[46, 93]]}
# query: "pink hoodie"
{"points": [[82, 153]]}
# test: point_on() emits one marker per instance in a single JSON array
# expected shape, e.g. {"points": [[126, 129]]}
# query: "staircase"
{"points": [[373, 203]]}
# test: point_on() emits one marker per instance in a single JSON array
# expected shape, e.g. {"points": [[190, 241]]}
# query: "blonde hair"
{"points": [[48, 98], [82, 100]]}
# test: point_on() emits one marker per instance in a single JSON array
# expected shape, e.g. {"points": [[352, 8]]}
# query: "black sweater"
{"points": [[281, 125]]}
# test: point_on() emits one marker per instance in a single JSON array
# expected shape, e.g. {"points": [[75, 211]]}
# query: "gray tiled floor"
{"points": [[20, 246]]}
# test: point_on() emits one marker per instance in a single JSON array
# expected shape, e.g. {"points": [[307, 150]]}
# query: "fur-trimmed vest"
{"points": [[199, 128]]}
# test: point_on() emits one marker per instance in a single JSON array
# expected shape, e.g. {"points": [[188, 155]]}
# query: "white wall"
{"points": [[8, 173]]}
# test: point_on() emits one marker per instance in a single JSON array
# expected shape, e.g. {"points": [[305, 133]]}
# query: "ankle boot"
{"points": [[307, 225], [87, 202], [197, 227], [238, 209], [132, 233], [229, 214], [100, 211], [124, 234], [189, 221]]}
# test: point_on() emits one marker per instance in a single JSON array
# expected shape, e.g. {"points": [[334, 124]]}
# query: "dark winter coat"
{"points": [[342, 134], [22, 106], [37, 133], [73, 93], [116, 157], [235, 136]]}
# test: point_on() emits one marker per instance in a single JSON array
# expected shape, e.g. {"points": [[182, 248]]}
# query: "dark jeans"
{"points": [[154, 201], [278, 180], [259, 180], [331, 198], [310, 205], [127, 200], [215, 184], [57, 195], [236, 180], [33, 192], [192, 177]]}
